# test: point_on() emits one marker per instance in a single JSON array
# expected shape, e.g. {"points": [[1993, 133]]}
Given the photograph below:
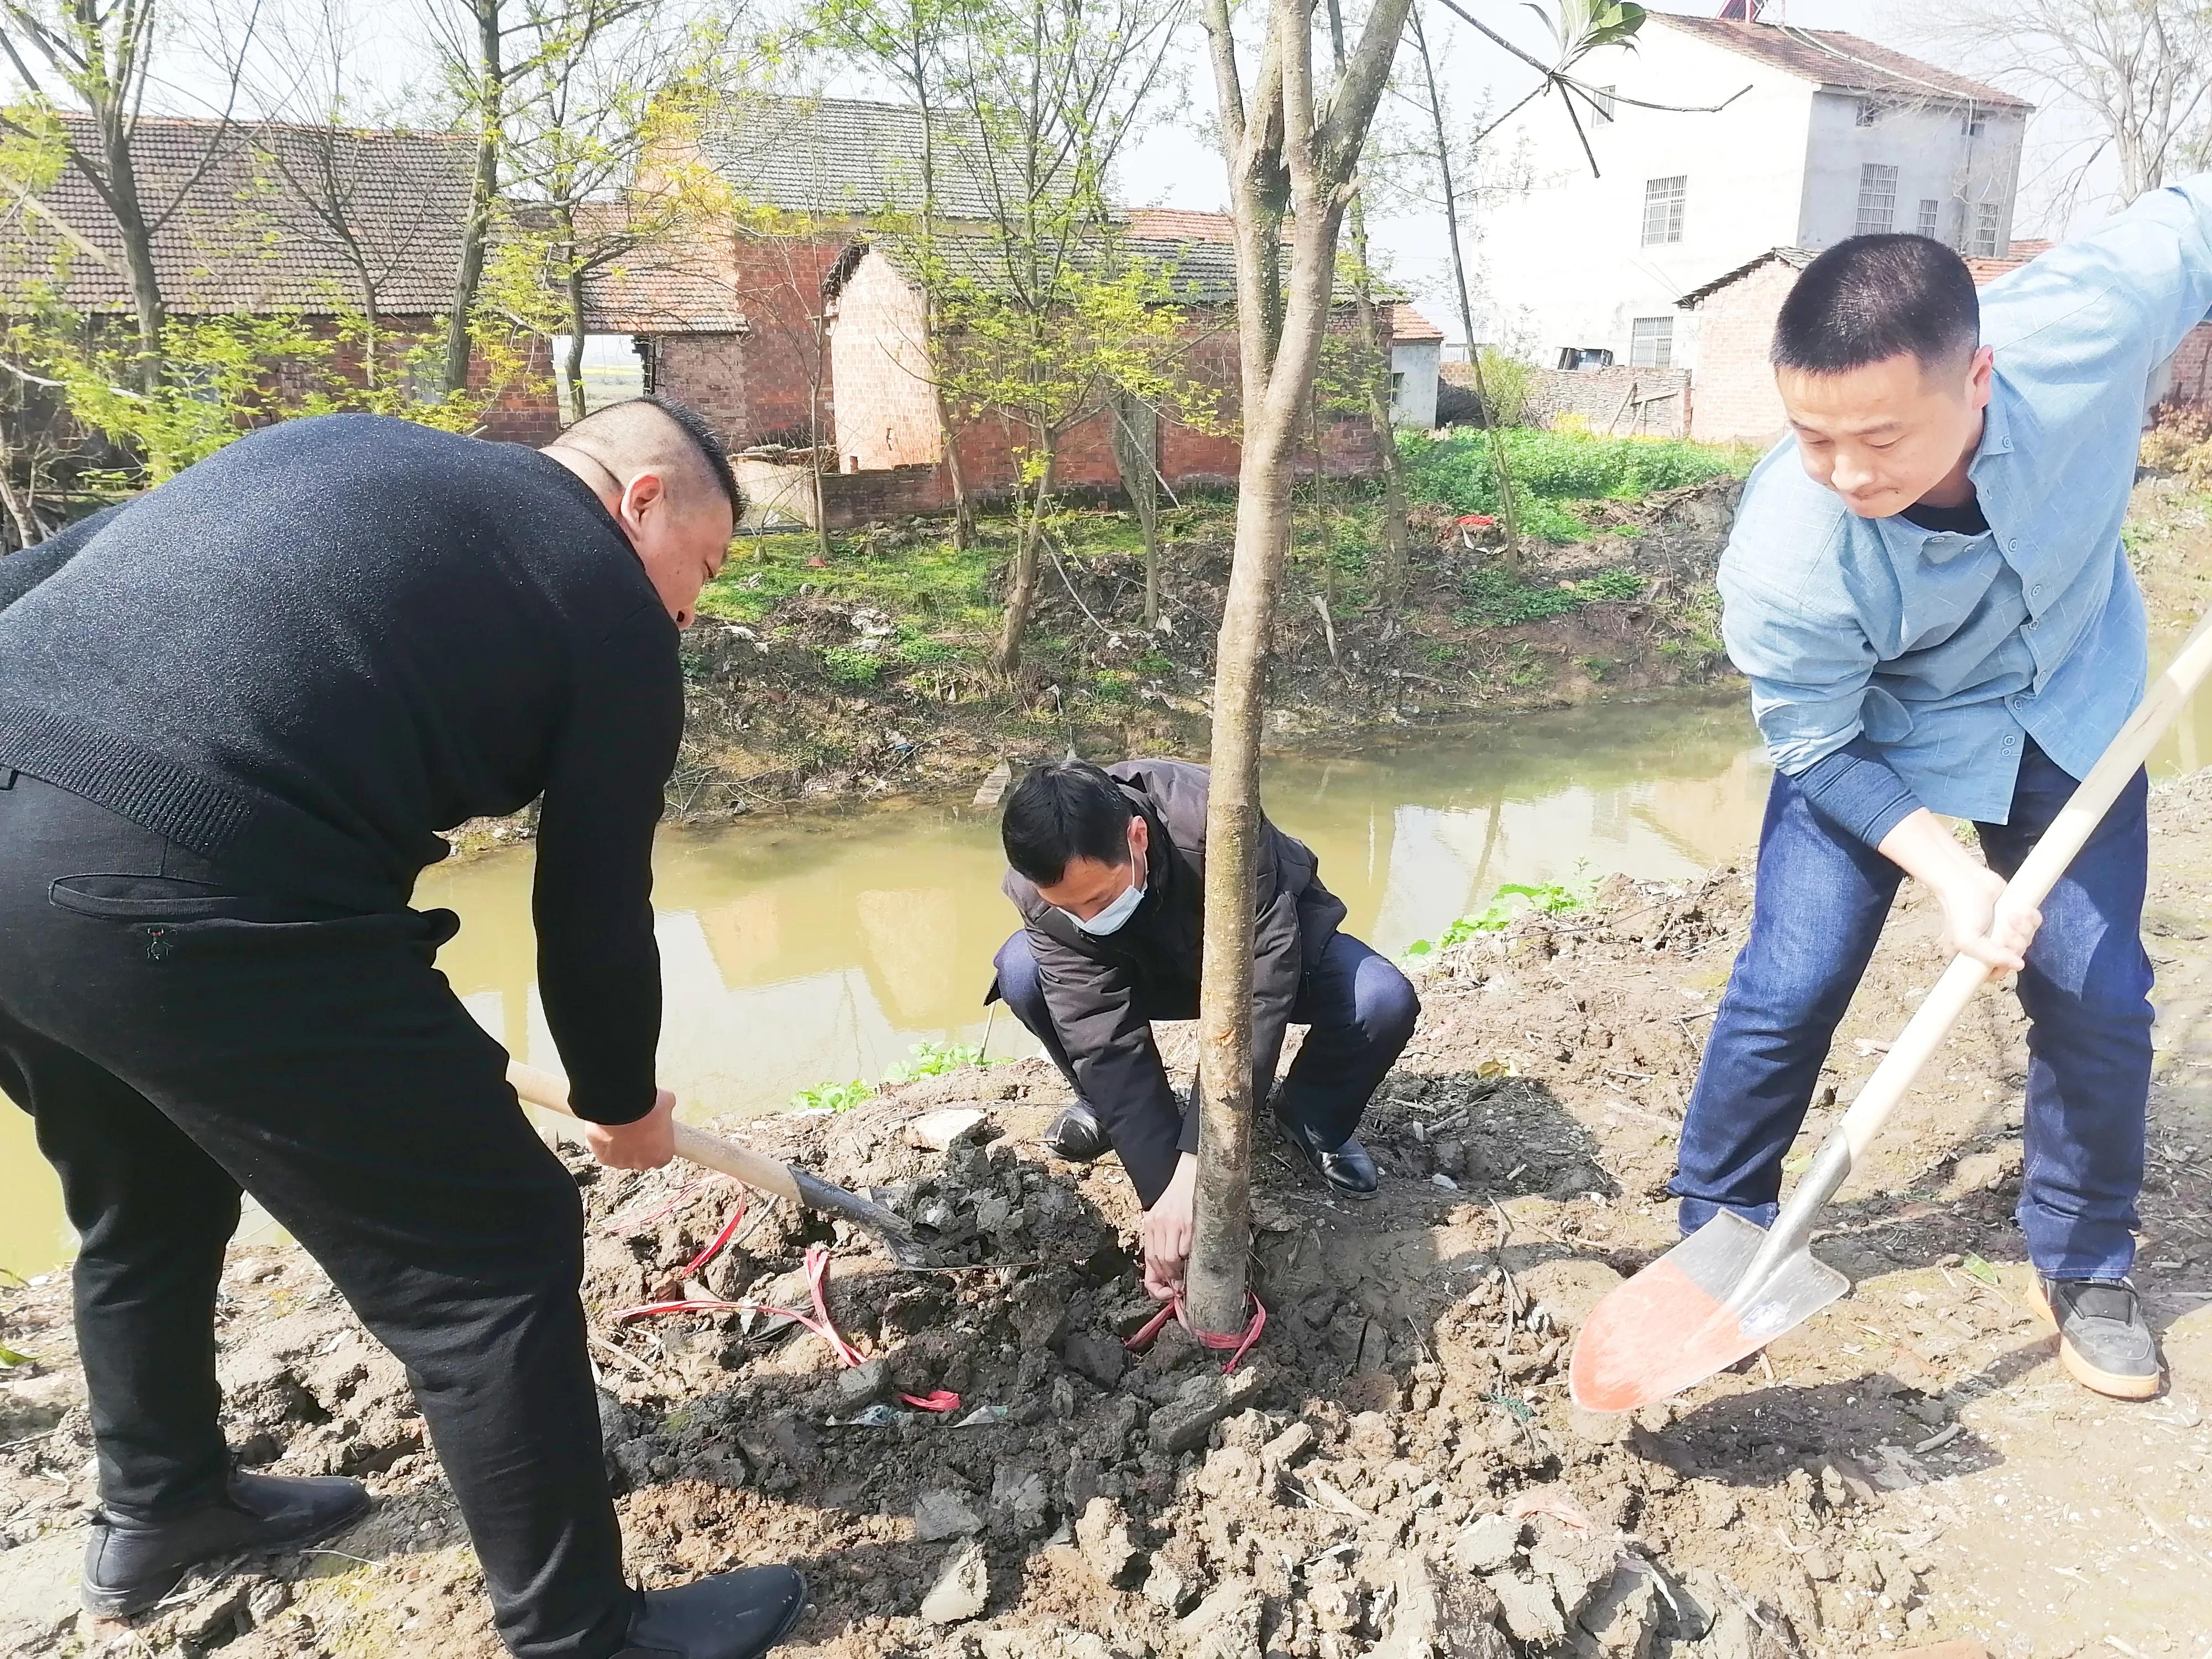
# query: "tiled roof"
{"points": [[1197, 273], [840, 157], [1180, 225], [674, 282], [1796, 257], [1407, 325], [1836, 60], [1987, 270], [245, 234]]}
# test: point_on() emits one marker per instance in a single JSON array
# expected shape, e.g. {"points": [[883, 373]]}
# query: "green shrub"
{"points": [[934, 1060], [831, 1096], [1155, 662], [1109, 686], [850, 666], [1514, 899], [1552, 467], [1495, 599]]}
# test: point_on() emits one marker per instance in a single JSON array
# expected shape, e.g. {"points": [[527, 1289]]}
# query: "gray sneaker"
{"points": [[2104, 1342]]}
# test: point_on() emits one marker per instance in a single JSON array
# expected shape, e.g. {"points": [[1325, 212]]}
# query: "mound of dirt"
{"points": [[1395, 1469]]}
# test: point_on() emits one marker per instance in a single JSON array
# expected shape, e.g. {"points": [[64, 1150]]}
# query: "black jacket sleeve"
{"points": [[598, 967], [1117, 1065], [22, 571], [1278, 971]]}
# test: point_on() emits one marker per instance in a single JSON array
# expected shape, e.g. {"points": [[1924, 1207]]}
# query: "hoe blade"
{"points": [[1690, 1313]]}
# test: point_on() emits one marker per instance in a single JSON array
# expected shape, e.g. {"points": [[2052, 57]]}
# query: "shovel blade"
{"points": [[1689, 1314]]}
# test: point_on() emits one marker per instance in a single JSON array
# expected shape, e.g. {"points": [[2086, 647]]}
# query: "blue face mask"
{"points": [[1115, 916]]}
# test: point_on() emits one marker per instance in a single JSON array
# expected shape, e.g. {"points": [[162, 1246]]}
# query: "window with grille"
{"points": [[1664, 200], [1651, 342], [1877, 199], [1870, 112], [1602, 105], [1988, 220], [1931, 216]]}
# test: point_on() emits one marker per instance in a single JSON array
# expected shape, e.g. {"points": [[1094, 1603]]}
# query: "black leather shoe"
{"points": [[1346, 1169], [732, 1615], [128, 1568], [1076, 1135]]}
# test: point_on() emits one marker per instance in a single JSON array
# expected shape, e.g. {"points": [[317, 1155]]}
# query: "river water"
{"points": [[822, 946]]}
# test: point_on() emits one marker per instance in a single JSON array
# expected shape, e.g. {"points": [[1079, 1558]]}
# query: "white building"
{"points": [[1824, 135], [1417, 350]]}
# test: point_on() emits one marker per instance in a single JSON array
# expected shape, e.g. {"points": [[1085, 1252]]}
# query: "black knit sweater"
{"points": [[306, 656]]}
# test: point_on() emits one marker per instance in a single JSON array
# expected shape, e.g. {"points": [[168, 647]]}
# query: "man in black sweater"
{"points": [[235, 715]]}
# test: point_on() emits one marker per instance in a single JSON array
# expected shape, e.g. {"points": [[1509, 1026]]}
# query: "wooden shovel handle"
{"points": [[708, 1151], [2038, 874]]}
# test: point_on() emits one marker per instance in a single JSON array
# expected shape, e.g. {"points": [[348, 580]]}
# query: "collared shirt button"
{"points": [[2014, 544], [2036, 589], [2011, 741]]}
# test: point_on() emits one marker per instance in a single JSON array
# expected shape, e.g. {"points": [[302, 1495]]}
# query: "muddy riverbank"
{"points": [[1396, 1468]]}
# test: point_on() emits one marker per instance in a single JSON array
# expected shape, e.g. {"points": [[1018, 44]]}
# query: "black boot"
{"points": [[128, 1567], [1346, 1169], [732, 1615], [1076, 1135]]}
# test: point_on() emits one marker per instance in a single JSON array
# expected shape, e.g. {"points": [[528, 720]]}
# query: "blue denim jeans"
{"points": [[1819, 910], [1358, 1008]]}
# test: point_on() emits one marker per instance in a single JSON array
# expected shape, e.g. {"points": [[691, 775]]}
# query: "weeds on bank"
{"points": [[1512, 901], [1552, 469], [923, 1060], [1495, 599]]}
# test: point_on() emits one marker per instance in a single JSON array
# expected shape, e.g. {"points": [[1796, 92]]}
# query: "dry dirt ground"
{"points": [[1396, 1468]]}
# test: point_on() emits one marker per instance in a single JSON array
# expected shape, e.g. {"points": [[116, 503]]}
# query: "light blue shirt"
{"points": [[1947, 650]]}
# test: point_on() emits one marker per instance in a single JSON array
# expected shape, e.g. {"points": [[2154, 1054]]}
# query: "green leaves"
{"points": [[1579, 27]]}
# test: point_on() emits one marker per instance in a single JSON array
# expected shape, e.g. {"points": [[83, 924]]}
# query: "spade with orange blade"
{"points": [[1732, 1286]]}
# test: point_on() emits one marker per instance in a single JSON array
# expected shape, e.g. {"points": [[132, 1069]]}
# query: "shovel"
{"points": [[1732, 1286], [754, 1170]]}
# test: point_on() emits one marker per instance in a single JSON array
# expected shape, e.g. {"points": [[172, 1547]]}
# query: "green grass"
{"points": [[831, 1096], [926, 1059], [849, 666], [928, 582], [1495, 599], [1552, 469]]}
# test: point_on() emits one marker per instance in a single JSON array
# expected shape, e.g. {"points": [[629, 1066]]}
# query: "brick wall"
{"points": [[706, 371], [886, 410], [778, 279], [1735, 399], [2190, 375], [1650, 403]]}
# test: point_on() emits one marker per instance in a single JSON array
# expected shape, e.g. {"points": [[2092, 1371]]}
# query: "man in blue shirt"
{"points": [[1927, 588]]}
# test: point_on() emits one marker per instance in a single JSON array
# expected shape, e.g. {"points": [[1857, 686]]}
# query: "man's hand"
{"points": [[647, 1144], [1168, 1227], [1978, 924], [1974, 923]]}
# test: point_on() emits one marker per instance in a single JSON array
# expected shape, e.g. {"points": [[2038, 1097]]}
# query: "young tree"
{"points": [[1136, 437], [1291, 160], [470, 40], [2139, 71], [598, 86], [911, 42], [100, 59], [1389, 580]]}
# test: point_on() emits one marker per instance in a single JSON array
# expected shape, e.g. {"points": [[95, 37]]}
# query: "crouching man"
{"points": [[1109, 876]]}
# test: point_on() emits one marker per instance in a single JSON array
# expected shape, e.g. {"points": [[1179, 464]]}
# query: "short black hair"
{"points": [[1872, 298], [709, 442], [1058, 813], [619, 428]]}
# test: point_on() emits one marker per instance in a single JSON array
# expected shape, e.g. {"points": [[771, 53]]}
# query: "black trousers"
{"points": [[178, 1036]]}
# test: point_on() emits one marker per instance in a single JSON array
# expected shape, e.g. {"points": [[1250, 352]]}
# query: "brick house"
{"points": [[330, 225], [1733, 397], [830, 364]]}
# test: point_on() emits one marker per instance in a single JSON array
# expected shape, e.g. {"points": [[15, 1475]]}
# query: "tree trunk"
{"points": [[115, 125], [575, 363], [963, 505], [1506, 508], [1136, 459], [482, 198], [1021, 580]]}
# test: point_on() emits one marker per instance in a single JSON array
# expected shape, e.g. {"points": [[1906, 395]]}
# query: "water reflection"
{"points": [[821, 947]]}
